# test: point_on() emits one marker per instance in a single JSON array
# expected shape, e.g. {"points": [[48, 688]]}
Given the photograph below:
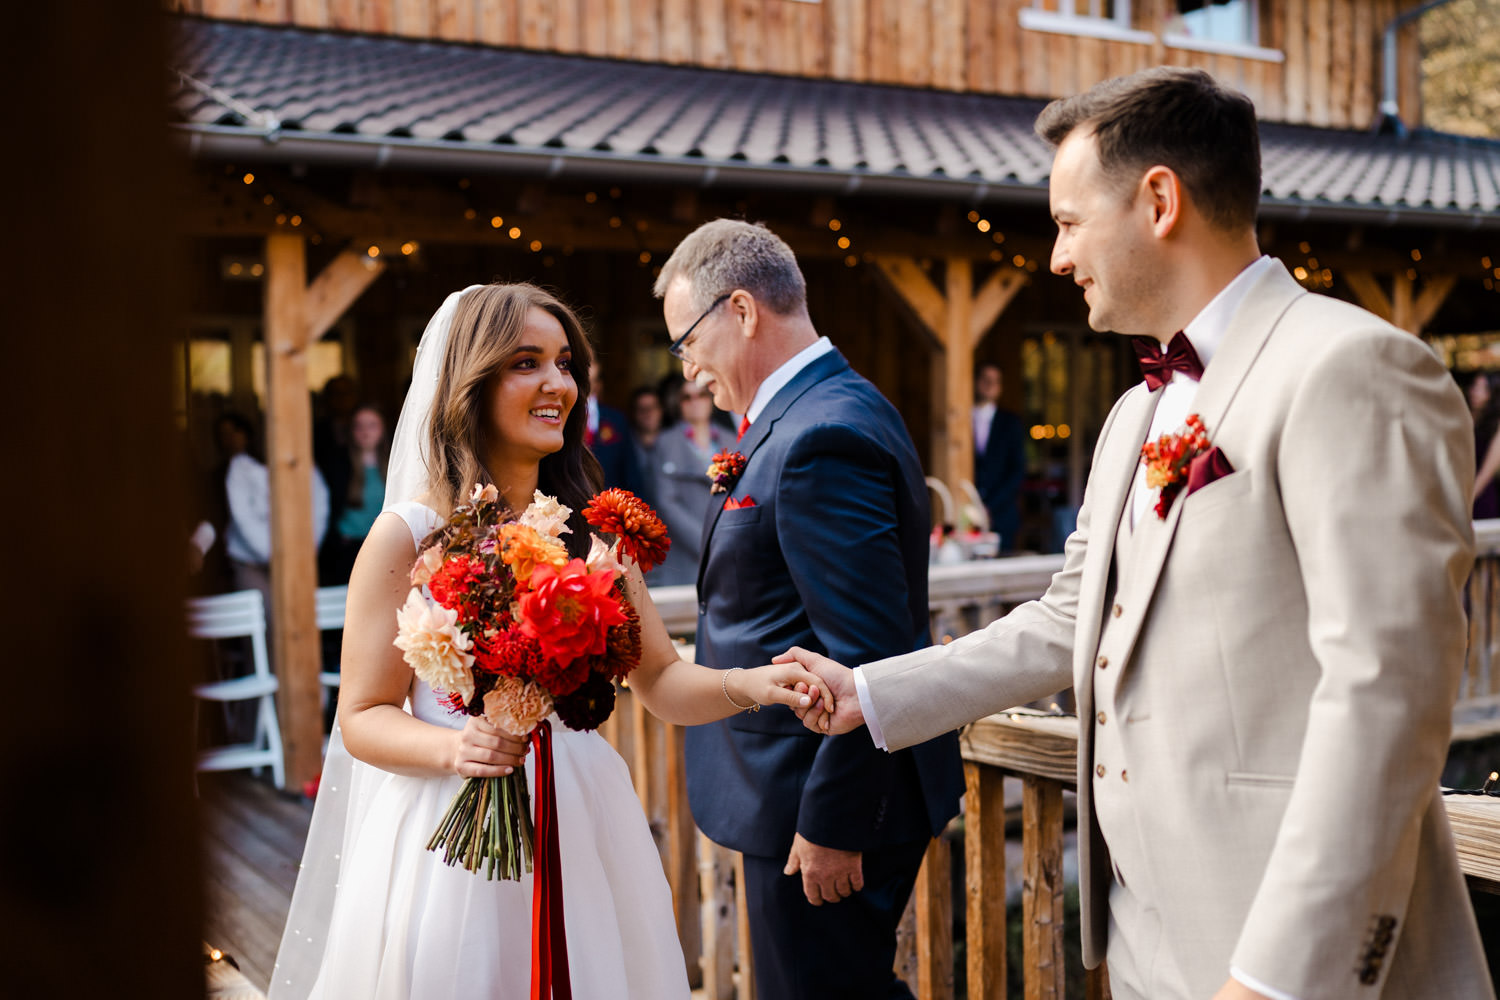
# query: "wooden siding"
{"points": [[1330, 75]]}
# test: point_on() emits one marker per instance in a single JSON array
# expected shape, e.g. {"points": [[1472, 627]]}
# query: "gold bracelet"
{"points": [[724, 684]]}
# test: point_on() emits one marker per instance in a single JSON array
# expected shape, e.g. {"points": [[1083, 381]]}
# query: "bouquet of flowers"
{"points": [[515, 630]]}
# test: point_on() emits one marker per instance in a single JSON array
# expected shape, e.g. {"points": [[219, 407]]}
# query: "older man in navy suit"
{"points": [[818, 538]]}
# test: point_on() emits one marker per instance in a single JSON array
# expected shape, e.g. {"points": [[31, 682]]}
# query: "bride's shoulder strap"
{"points": [[419, 518]]}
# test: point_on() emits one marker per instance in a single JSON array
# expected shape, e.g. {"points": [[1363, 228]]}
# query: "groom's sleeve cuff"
{"points": [[1244, 979], [867, 707]]}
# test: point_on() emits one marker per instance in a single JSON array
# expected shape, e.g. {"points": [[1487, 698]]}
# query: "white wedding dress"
{"points": [[376, 916]]}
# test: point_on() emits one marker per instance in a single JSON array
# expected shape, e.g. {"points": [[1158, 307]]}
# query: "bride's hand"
{"points": [[485, 751], [777, 684]]}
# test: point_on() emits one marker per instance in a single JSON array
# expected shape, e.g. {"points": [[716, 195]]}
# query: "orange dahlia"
{"points": [[523, 549], [643, 536]]}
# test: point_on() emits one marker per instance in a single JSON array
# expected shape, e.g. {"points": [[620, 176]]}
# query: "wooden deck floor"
{"points": [[252, 844]]}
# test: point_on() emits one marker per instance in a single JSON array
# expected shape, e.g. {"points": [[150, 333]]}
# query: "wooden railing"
{"points": [[1039, 750]]}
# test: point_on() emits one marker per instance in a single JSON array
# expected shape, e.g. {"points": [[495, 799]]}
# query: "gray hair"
{"points": [[725, 254]]}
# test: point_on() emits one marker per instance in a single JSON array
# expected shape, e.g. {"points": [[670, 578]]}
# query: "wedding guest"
{"points": [[999, 455], [607, 435], [1484, 407], [683, 455], [1266, 645], [356, 487], [819, 537], [247, 487], [335, 411], [646, 419]]}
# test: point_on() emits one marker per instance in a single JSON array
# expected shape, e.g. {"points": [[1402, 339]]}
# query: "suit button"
{"points": [[1102, 662], [1099, 770], [1101, 718], [1125, 776], [703, 607], [1117, 611]]}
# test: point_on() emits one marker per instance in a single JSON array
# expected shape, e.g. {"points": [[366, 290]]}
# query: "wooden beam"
{"points": [[718, 891], [992, 299], [682, 843], [984, 880], [1434, 294], [909, 281], [933, 895], [1369, 293], [294, 573], [340, 285]]}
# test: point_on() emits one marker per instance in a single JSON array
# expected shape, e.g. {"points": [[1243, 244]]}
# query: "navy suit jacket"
{"points": [[998, 471], [832, 557]]}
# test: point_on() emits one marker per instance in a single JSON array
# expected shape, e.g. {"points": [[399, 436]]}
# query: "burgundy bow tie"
{"points": [[1158, 367]]}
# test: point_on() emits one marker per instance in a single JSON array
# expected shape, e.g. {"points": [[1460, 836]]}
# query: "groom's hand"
{"points": [[1236, 990], [847, 714], [828, 874]]}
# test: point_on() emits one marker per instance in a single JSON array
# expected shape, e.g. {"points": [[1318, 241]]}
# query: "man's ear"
{"points": [[745, 310], [1161, 192]]}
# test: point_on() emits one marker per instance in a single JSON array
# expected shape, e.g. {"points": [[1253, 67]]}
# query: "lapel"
{"points": [[822, 367], [1109, 483], [1259, 314]]}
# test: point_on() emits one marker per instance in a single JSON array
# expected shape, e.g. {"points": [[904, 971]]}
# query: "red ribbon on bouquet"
{"points": [[549, 938]]}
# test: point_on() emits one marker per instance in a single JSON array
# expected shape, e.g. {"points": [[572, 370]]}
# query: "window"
{"points": [[1097, 18], [1228, 21]]}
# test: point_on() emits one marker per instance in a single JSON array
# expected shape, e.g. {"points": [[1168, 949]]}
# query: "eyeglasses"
{"points": [[676, 347]]}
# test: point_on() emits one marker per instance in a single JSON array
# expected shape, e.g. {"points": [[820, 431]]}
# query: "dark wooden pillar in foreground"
{"points": [[99, 881], [296, 315]]}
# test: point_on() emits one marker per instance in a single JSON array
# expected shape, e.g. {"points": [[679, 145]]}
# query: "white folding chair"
{"points": [[241, 614], [330, 615]]}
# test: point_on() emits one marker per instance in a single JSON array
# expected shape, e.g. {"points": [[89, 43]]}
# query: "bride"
{"points": [[376, 915]]}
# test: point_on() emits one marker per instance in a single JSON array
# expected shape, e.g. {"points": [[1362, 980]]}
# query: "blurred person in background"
{"points": [[645, 432], [999, 455], [683, 454], [356, 487], [1484, 406]]}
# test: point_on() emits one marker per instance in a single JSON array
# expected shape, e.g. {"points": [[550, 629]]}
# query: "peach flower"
{"points": [[516, 706], [428, 563], [433, 645], [547, 516]]}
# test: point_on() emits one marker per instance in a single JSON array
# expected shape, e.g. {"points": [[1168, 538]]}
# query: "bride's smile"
{"points": [[531, 395]]}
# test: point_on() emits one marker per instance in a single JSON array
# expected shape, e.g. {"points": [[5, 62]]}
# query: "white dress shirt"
{"points": [[774, 382], [984, 416], [1205, 332]]}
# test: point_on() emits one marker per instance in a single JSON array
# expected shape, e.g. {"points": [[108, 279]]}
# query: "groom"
{"points": [[1265, 641], [816, 535]]}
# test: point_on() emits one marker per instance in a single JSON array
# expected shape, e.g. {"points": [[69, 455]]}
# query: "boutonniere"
{"points": [[725, 470], [1167, 460]]}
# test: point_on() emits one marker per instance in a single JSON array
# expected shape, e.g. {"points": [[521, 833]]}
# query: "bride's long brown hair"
{"points": [[487, 329]]}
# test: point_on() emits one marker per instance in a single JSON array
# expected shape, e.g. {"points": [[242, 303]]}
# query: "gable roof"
{"points": [[251, 92]]}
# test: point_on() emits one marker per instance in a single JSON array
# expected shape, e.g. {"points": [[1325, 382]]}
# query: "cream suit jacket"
{"points": [[1294, 637]]}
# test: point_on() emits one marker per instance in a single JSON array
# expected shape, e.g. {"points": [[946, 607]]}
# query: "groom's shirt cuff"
{"points": [[867, 707], [1245, 979]]}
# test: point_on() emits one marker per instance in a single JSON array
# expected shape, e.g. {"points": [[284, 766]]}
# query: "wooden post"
{"points": [[682, 843], [295, 316], [742, 931], [955, 322], [958, 362], [103, 861], [934, 903], [984, 879], [1400, 307], [1042, 887], [718, 911], [294, 575]]}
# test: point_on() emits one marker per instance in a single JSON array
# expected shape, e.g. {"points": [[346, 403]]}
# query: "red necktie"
{"points": [[1158, 367], [744, 426]]}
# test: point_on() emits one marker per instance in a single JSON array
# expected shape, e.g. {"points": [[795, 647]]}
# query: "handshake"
{"points": [[832, 707]]}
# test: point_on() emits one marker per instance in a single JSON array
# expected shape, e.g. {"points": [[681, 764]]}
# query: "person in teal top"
{"points": [[356, 481]]}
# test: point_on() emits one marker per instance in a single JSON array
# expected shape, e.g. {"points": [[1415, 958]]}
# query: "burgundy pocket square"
{"points": [[1209, 467]]}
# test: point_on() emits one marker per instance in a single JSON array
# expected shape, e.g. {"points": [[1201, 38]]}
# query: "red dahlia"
{"points": [[643, 536]]}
